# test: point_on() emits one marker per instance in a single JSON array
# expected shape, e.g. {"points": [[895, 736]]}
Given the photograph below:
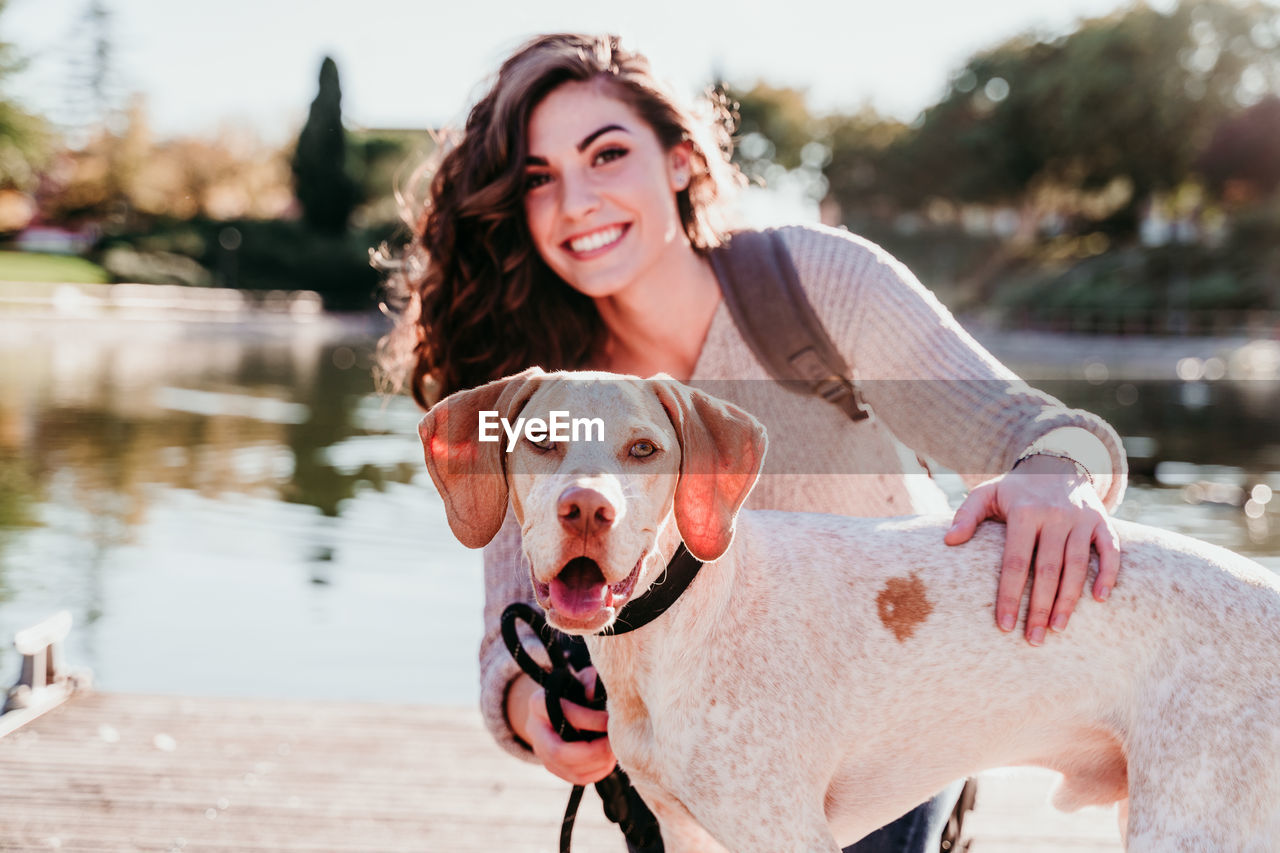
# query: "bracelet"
{"points": [[1084, 472]]}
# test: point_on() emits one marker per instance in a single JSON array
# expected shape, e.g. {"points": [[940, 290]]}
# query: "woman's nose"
{"points": [[580, 196]]}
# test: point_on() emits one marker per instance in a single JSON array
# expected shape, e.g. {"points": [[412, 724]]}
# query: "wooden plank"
{"points": [[125, 772], [154, 773]]}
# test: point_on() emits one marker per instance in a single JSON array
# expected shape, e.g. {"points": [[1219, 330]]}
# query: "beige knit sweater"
{"points": [[930, 386]]}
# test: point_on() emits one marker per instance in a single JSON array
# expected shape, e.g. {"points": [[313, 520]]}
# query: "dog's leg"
{"points": [[760, 828], [680, 832]]}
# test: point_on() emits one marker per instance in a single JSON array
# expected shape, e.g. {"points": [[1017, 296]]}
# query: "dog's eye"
{"points": [[643, 448]]}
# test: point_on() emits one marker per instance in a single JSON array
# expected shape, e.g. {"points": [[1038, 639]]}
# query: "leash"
{"points": [[622, 804]]}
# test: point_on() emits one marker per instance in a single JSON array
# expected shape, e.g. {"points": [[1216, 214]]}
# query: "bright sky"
{"points": [[414, 63]]}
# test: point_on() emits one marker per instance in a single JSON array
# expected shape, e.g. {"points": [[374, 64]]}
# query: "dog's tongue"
{"points": [[580, 589]]}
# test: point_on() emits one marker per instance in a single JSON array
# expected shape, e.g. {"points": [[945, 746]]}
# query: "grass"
{"points": [[31, 266]]}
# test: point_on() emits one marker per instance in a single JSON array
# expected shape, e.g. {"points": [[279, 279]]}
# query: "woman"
{"points": [[570, 227]]}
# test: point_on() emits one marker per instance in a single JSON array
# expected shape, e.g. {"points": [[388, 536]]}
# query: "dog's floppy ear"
{"points": [[721, 451], [468, 472]]}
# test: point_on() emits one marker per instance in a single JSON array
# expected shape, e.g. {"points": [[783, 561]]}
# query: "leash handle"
{"points": [[558, 682]]}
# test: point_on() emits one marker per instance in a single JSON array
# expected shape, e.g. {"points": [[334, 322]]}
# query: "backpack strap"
{"points": [[762, 290]]}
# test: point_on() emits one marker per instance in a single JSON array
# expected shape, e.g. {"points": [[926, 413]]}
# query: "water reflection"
{"points": [[238, 512], [193, 495]]}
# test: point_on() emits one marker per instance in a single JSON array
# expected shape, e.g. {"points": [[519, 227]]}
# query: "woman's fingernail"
{"points": [[1037, 636], [1059, 622], [1105, 593], [1006, 622]]}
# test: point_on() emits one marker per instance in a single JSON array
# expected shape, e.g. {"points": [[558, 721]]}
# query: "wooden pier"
{"points": [[114, 772]]}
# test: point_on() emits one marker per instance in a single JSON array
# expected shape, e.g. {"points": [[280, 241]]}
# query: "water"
{"points": [[237, 512], [227, 514]]}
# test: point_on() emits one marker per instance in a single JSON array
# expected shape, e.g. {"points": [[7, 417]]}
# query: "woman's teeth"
{"points": [[596, 240]]}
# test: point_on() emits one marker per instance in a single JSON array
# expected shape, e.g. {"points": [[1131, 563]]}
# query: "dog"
{"points": [[823, 674]]}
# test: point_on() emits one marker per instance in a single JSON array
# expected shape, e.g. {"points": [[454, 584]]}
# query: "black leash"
{"points": [[622, 804]]}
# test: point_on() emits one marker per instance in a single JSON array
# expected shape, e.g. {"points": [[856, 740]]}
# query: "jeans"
{"points": [[917, 831]]}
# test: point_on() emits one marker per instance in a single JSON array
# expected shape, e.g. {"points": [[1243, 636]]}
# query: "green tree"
{"points": [[864, 174], [774, 124], [1128, 99], [24, 138], [321, 182], [778, 139]]}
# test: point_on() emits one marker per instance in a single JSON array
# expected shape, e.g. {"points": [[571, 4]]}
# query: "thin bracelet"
{"points": [[1084, 472]]}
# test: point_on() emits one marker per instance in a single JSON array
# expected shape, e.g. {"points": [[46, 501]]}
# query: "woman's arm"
{"points": [[946, 397], [505, 581]]}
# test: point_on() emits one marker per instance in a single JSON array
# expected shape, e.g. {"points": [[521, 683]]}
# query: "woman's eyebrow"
{"points": [[595, 134], [533, 160]]}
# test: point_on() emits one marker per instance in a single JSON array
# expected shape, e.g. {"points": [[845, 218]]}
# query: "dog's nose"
{"points": [[585, 511]]}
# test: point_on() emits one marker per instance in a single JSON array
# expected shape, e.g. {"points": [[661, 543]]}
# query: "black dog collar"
{"points": [[660, 595]]}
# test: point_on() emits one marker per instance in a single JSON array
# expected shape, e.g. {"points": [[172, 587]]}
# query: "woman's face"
{"points": [[600, 190]]}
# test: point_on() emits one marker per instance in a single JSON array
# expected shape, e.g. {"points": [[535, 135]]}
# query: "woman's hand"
{"points": [[578, 762], [1052, 512]]}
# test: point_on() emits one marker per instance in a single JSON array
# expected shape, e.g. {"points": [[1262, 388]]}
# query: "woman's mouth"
{"points": [[597, 242]]}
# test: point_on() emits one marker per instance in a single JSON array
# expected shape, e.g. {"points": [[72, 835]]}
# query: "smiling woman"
{"points": [[493, 241], [600, 197]]}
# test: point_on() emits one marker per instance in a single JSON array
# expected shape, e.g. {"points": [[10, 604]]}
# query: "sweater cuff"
{"points": [[497, 671]]}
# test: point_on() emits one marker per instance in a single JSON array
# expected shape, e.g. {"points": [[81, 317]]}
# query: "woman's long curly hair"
{"points": [[473, 298]]}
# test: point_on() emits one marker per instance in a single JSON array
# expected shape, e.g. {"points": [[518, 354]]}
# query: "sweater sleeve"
{"points": [[928, 380], [506, 579]]}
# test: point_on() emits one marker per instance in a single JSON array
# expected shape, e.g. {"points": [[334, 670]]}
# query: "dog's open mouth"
{"points": [[580, 592]]}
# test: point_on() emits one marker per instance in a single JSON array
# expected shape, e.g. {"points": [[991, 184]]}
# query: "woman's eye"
{"points": [[542, 444], [643, 448], [534, 180], [610, 154]]}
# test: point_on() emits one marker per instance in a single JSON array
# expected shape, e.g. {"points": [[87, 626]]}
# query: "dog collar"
{"points": [[660, 595]]}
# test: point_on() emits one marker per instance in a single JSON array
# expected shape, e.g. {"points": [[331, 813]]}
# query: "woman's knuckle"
{"points": [[1047, 568], [1015, 564]]}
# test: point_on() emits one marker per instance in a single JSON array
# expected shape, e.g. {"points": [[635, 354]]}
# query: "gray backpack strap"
{"points": [[762, 290]]}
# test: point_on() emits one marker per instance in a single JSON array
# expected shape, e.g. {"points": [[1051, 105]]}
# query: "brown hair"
{"points": [[474, 299]]}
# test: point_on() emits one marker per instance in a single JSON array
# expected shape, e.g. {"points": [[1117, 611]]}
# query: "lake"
{"points": [[234, 510]]}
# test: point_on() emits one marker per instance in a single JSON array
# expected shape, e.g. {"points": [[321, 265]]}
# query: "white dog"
{"points": [[824, 674]]}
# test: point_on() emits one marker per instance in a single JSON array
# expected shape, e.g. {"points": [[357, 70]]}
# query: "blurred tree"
{"points": [[864, 176], [321, 182], [774, 124], [1242, 161], [1125, 101], [384, 162], [228, 175], [778, 141], [24, 138]]}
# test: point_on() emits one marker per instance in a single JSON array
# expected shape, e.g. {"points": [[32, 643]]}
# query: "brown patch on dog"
{"points": [[902, 605]]}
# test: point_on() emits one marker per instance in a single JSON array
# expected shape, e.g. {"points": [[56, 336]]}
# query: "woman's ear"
{"points": [[680, 166]]}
